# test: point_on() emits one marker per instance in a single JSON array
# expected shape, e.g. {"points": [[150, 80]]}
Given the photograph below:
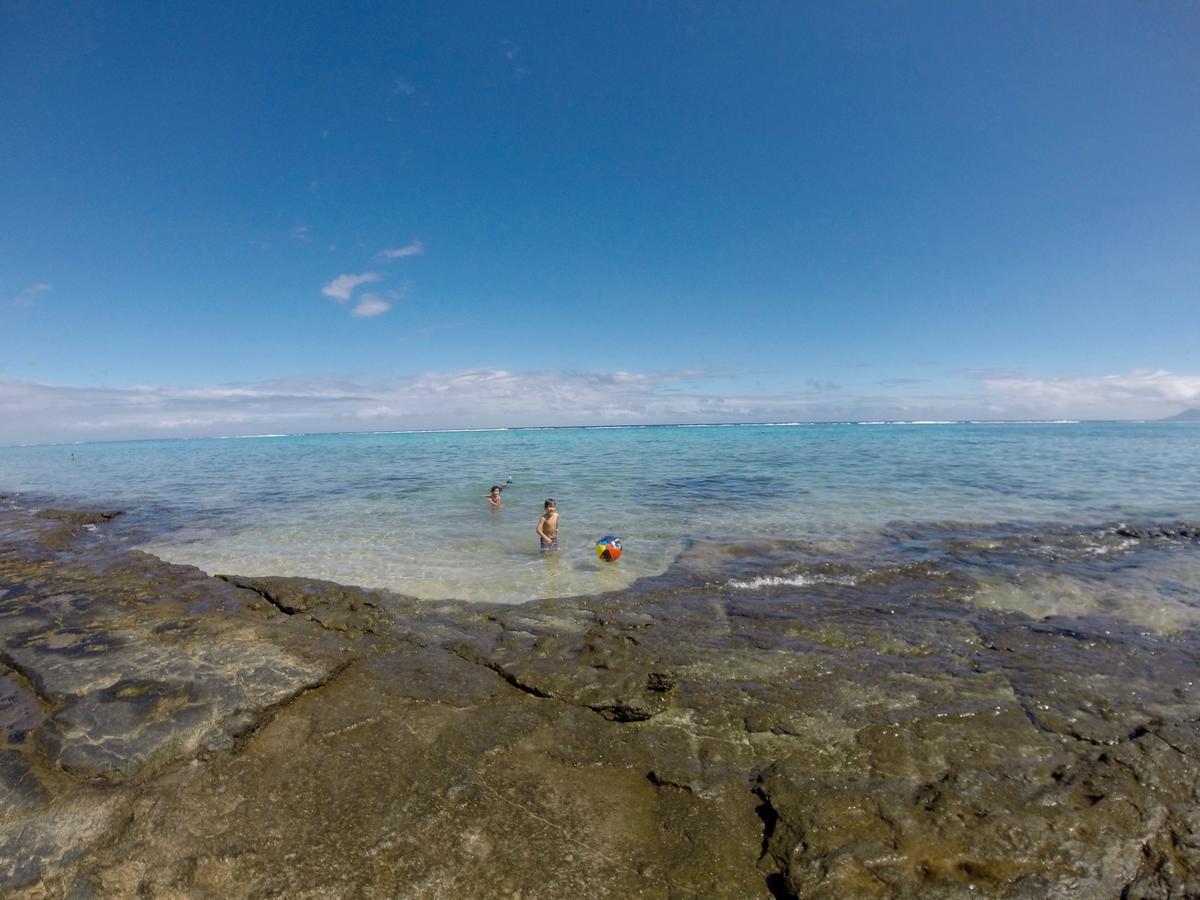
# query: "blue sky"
{"points": [[241, 218]]}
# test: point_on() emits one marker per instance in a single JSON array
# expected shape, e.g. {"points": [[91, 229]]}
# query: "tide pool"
{"points": [[408, 511]]}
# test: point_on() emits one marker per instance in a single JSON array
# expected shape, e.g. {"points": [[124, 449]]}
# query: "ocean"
{"points": [[407, 511]]}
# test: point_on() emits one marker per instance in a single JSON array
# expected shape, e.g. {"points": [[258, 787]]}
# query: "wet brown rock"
{"points": [[166, 734], [352, 611]]}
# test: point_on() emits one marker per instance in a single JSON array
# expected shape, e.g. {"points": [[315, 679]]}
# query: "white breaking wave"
{"points": [[762, 581], [1024, 422], [425, 431]]}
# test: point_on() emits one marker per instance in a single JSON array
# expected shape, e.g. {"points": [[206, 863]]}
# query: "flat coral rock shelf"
{"points": [[168, 734]]}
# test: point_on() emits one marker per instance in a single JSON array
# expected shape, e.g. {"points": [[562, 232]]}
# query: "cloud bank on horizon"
{"points": [[32, 412]]}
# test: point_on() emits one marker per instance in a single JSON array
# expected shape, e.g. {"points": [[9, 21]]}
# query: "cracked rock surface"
{"points": [[168, 734]]}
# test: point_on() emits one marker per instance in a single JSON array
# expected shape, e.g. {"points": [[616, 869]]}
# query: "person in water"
{"points": [[494, 497], [547, 527]]}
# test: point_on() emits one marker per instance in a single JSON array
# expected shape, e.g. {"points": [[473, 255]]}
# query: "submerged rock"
{"points": [[79, 516], [350, 610], [807, 729]]}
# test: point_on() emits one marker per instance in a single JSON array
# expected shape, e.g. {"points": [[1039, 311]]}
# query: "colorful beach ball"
{"points": [[608, 548]]}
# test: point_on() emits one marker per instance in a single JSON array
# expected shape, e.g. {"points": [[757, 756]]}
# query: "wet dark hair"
{"points": [[495, 487], [548, 504]]}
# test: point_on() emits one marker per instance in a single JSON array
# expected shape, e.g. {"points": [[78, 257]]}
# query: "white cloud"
{"points": [[343, 286], [414, 249], [403, 88], [30, 294], [377, 412], [370, 305], [1142, 393], [31, 411], [301, 233]]}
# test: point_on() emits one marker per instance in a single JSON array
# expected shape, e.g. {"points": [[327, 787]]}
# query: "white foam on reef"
{"points": [[765, 581], [423, 431], [1158, 595], [1106, 549]]}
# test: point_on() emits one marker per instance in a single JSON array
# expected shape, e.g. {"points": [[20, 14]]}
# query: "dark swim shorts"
{"points": [[548, 545]]}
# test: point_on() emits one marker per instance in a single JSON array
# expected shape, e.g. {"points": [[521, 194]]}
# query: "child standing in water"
{"points": [[547, 527], [494, 497]]}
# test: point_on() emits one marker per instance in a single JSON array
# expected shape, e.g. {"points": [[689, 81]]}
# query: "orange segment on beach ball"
{"points": [[608, 548]]}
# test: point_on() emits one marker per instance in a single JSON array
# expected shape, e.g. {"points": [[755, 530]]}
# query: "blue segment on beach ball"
{"points": [[608, 548]]}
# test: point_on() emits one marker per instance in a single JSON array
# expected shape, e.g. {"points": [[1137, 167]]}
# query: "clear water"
{"points": [[407, 511]]}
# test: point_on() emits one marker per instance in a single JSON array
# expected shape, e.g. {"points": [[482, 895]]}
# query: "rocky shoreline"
{"points": [[164, 733]]}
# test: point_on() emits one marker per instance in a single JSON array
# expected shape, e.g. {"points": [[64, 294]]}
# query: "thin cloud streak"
{"points": [[30, 294], [416, 248]]}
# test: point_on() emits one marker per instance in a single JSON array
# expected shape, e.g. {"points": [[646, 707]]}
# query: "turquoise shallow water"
{"points": [[407, 511]]}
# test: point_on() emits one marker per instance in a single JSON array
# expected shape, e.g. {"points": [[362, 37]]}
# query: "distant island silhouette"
{"points": [[1188, 415]]}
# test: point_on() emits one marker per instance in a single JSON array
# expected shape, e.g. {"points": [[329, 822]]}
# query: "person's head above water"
{"points": [[495, 488], [549, 504]]}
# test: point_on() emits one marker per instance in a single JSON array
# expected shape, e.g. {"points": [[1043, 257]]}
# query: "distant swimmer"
{"points": [[547, 527], [494, 497]]}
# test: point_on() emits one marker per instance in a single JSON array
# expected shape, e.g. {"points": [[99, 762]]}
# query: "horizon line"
{"points": [[794, 424]]}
